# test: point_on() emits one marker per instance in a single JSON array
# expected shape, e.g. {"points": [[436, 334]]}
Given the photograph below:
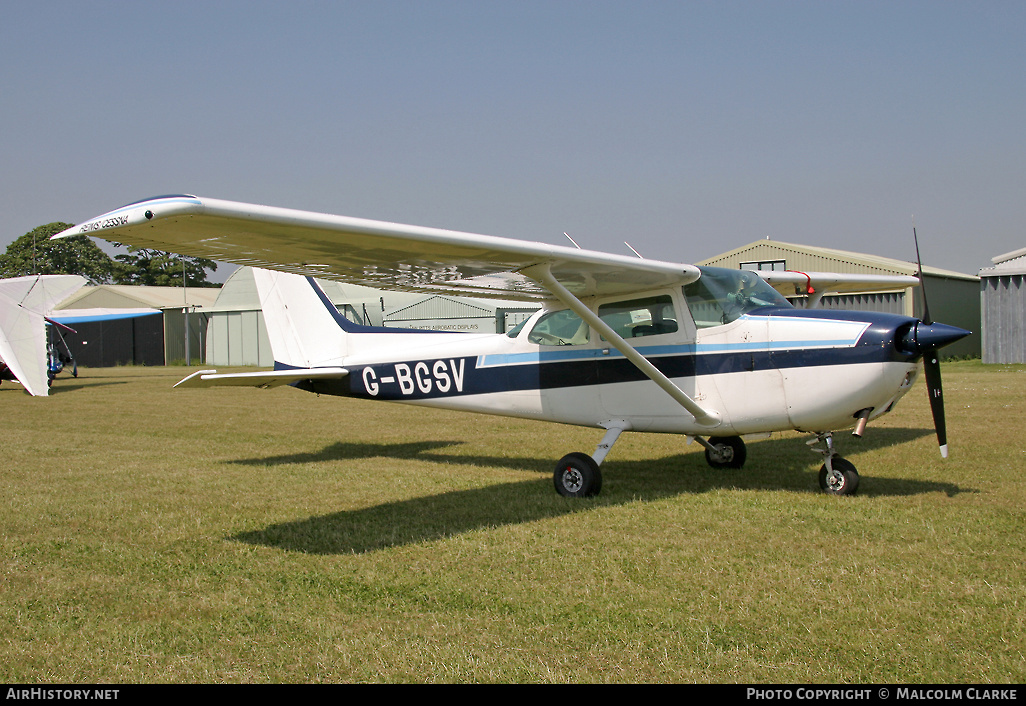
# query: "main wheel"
{"points": [[730, 452], [577, 476], [843, 480]]}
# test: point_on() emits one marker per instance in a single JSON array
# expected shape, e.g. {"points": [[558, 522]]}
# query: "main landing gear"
{"points": [[724, 451], [577, 474]]}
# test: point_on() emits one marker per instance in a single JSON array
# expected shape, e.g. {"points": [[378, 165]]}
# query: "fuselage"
{"points": [[767, 368]]}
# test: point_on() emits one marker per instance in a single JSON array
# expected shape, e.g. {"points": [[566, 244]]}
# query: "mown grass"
{"points": [[151, 535]]}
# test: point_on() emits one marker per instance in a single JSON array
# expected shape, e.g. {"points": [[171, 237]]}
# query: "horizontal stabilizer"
{"points": [[260, 378]]}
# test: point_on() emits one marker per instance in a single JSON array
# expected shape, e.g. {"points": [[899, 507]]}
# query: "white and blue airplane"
{"points": [[619, 343]]}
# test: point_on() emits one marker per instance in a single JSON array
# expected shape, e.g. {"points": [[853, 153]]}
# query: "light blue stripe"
{"points": [[162, 202], [497, 359]]}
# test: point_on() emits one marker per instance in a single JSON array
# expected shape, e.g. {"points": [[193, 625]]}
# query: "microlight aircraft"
{"points": [[28, 353], [619, 343]]}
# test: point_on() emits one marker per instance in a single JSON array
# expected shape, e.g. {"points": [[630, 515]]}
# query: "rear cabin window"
{"points": [[634, 318]]}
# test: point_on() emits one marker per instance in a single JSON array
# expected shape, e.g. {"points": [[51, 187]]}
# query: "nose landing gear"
{"points": [[837, 475]]}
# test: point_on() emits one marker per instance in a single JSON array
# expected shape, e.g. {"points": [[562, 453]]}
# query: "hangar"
{"points": [[952, 296], [460, 314], [1003, 308], [133, 325]]}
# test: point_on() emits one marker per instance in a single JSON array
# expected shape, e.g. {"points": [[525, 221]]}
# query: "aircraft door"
{"points": [[734, 360], [557, 379], [654, 327]]}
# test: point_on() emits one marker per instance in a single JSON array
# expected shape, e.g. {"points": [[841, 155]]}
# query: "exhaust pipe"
{"points": [[863, 417]]}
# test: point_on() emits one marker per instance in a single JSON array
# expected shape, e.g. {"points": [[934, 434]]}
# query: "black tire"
{"points": [[577, 476], [732, 449], [843, 481]]}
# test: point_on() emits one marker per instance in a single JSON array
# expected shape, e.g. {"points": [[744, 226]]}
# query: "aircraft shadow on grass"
{"points": [[61, 386], [777, 464]]}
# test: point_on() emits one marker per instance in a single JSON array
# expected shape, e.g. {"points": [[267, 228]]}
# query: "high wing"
{"points": [[372, 253], [24, 304]]}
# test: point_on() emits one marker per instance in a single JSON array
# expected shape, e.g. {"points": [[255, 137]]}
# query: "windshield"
{"points": [[720, 295]]}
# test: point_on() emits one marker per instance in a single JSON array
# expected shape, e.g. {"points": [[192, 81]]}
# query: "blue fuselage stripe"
{"points": [[420, 379]]}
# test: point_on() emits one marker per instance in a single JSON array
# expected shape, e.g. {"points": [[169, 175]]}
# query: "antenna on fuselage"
{"points": [[633, 250], [572, 240]]}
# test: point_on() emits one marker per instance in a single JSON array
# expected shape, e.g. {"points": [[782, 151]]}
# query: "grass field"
{"points": [[237, 535]]}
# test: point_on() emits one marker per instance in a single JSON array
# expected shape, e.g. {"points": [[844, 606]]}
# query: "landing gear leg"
{"points": [[577, 474], [837, 476]]}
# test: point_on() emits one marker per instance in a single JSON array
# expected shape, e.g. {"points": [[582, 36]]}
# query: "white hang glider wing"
{"points": [[25, 302]]}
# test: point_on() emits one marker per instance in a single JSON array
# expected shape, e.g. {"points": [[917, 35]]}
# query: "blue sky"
{"points": [[684, 128]]}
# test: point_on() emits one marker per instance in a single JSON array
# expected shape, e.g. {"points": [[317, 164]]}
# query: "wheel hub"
{"points": [[724, 453], [572, 480], [835, 480]]}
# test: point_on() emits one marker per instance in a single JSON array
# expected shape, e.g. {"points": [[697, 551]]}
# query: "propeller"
{"points": [[926, 338]]}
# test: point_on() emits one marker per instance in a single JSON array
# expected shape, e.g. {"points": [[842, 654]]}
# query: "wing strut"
{"points": [[541, 274]]}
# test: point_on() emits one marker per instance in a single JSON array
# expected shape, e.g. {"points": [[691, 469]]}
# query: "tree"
{"points": [[163, 269], [34, 253]]}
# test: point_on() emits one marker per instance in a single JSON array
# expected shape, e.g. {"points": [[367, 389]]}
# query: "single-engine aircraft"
{"points": [[619, 343]]}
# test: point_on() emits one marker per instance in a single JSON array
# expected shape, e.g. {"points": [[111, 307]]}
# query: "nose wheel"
{"points": [[837, 475], [840, 479]]}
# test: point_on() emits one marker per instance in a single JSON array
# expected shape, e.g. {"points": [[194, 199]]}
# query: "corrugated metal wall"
{"points": [[174, 337], [891, 303], [438, 307], [1003, 307], [238, 338]]}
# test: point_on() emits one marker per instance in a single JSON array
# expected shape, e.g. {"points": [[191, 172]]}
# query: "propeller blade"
{"points": [[931, 365], [925, 340], [930, 337]]}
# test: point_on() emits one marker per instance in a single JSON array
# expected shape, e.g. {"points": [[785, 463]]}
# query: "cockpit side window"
{"points": [[633, 318], [721, 295], [559, 328]]}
